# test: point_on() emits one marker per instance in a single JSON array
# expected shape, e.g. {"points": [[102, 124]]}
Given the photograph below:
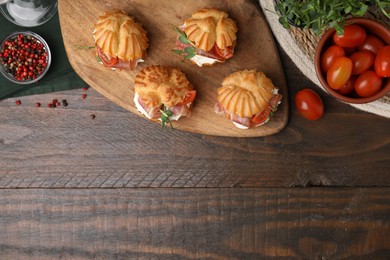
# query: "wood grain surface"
{"points": [[255, 50], [64, 147], [344, 223], [62, 175]]}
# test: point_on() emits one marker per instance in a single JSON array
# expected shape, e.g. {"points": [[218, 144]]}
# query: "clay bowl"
{"points": [[371, 27]]}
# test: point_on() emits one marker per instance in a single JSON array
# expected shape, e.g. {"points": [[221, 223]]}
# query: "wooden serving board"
{"points": [[255, 50]]}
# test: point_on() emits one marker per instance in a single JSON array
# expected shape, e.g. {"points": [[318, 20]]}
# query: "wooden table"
{"points": [[120, 187]]}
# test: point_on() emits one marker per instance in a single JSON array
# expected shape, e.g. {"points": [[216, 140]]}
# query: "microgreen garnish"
{"points": [[79, 47], [189, 51], [98, 59], [166, 117]]}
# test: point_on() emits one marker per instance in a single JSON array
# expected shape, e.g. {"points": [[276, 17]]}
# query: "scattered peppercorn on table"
{"points": [[84, 178]]}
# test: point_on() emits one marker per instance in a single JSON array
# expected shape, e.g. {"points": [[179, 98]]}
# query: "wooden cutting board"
{"points": [[255, 50]]}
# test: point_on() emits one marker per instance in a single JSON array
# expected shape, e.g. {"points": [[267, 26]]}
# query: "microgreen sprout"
{"points": [[166, 115], [189, 51]]}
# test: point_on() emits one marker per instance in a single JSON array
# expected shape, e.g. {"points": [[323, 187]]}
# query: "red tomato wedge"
{"points": [[189, 98], [107, 61], [362, 61], [330, 55], [382, 62], [339, 72], [353, 36], [262, 116], [224, 53]]}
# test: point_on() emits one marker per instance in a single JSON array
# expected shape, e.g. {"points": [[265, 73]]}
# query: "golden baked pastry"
{"points": [[209, 26], [118, 35], [159, 85], [246, 93]]}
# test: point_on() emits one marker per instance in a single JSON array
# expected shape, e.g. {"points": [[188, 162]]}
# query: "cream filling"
{"points": [[240, 125], [203, 60], [139, 107], [142, 110], [174, 117], [245, 127]]}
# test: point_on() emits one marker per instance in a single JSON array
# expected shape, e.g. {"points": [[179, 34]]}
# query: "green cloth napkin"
{"points": [[60, 76]]}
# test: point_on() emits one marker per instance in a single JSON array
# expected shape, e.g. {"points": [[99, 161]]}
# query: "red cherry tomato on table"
{"points": [[382, 62], [309, 104], [372, 43], [339, 72], [348, 87], [367, 84], [353, 36], [362, 61], [330, 55]]}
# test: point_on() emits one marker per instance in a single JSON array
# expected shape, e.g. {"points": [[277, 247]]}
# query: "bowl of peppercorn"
{"points": [[25, 57]]}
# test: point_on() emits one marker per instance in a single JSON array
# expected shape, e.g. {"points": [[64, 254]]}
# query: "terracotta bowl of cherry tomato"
{"points": [[354, 67], [25, 57]]}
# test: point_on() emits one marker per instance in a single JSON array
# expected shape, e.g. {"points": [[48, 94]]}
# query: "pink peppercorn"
{"points": [[24, 57]]}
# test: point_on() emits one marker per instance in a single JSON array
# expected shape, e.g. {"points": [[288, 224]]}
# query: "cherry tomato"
{"points": [[362, 61], [382, 62], [309, 104], [329, 56], [348, 87], [223, 53], [372, 43], [107, 60], [339, 72], [367, 84], [353, 36]]}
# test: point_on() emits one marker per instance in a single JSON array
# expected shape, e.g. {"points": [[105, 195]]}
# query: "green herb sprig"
{"points": [[166, 115], [322, 14], [189, 51], [80, 47]]}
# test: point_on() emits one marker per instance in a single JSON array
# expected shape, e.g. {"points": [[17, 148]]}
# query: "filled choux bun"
{"points": [[160, 85], [118, 35], [208, 27], [246, 93]]}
